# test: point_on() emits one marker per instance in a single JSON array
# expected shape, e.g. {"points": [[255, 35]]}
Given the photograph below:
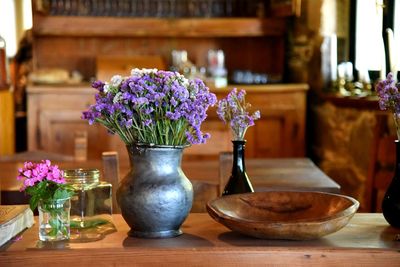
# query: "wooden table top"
{"points": [[265, 174], [367, 240], [270, 174]]}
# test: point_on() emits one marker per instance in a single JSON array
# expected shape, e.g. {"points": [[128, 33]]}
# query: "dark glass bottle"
{"points": [[238, 181], [391, 201]]}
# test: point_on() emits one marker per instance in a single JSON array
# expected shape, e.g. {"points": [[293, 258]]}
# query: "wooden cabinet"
{"points": [[55, 117], [343, 141], [279, 132], [74, 43]]}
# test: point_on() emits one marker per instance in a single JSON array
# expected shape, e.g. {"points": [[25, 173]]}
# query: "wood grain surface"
{"points": [[366, 241]]}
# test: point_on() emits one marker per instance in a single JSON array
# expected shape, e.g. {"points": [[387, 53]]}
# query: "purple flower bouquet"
{"points": [[389, 98], [152, 107], [234, 110]]}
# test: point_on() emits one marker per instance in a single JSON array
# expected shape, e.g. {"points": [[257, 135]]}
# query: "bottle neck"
{"points": [[238, 156]]}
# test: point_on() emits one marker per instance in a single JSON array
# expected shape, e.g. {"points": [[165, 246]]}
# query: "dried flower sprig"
{"points": [[43, 181], [234, 110], [389, 98], [152, 107]]}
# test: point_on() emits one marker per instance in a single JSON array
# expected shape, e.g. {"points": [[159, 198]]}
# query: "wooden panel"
{"points": [[139, 27], [54, 115], [108, 66], [7, 123], [269, 137], [79, 53], [220, 141], [283, 8], [73, 43]]}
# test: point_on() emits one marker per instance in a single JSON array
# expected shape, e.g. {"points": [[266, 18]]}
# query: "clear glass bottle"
{"points": [[91, 206]]}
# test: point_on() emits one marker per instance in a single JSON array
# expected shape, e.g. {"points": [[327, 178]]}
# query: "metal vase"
{"points": [[155, 197]]}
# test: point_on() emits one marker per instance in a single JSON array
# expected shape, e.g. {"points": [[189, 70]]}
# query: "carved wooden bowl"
{"points": [[283, 215]]}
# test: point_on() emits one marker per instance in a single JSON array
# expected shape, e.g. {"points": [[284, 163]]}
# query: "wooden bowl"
{"points": [[283, 215]]}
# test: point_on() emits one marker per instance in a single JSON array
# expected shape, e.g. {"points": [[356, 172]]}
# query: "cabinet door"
{"points": [[220, 141], [285, 8], [274, 136], [58, 129]]}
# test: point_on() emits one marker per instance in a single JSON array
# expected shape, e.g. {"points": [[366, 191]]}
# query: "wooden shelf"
{"points": [[369, 102], [157, 27]]}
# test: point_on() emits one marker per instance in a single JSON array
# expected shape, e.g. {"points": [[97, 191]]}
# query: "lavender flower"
{"points": [[389, 99], [152, 107], [233, 110]]}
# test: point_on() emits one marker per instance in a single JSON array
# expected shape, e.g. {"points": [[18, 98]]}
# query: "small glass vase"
{"points": [[54, 219], [238, 181], [391, 200]]}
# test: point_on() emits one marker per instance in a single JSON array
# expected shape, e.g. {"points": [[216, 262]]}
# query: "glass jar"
{"points": [[54, 220], [91, 205]]}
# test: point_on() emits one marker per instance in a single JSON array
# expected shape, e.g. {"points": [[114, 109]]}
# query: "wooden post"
{"points": [[111, 175], [225, 166], [7, 123]]}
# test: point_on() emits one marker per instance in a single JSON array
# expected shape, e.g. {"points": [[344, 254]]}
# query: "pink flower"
{"points": [[27, 173], [33, 173]]}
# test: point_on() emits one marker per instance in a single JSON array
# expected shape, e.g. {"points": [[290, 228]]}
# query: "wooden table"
{"points": [[265, 174], [366, 241], [270, 174]]}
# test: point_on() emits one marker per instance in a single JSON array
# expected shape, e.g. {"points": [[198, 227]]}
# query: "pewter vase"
{"points": [[155, 197]]}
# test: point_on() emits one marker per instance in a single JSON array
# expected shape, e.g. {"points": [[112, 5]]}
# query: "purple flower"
{"points": [[151, 106], [388, 93], [147, 122], [233, 111], [389, 98], [98, 85]]}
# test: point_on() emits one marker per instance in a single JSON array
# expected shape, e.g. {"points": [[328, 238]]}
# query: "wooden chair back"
{"points": [[381, 166], [111, 174], [202, 193], [225, 168], [80, 152]]}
